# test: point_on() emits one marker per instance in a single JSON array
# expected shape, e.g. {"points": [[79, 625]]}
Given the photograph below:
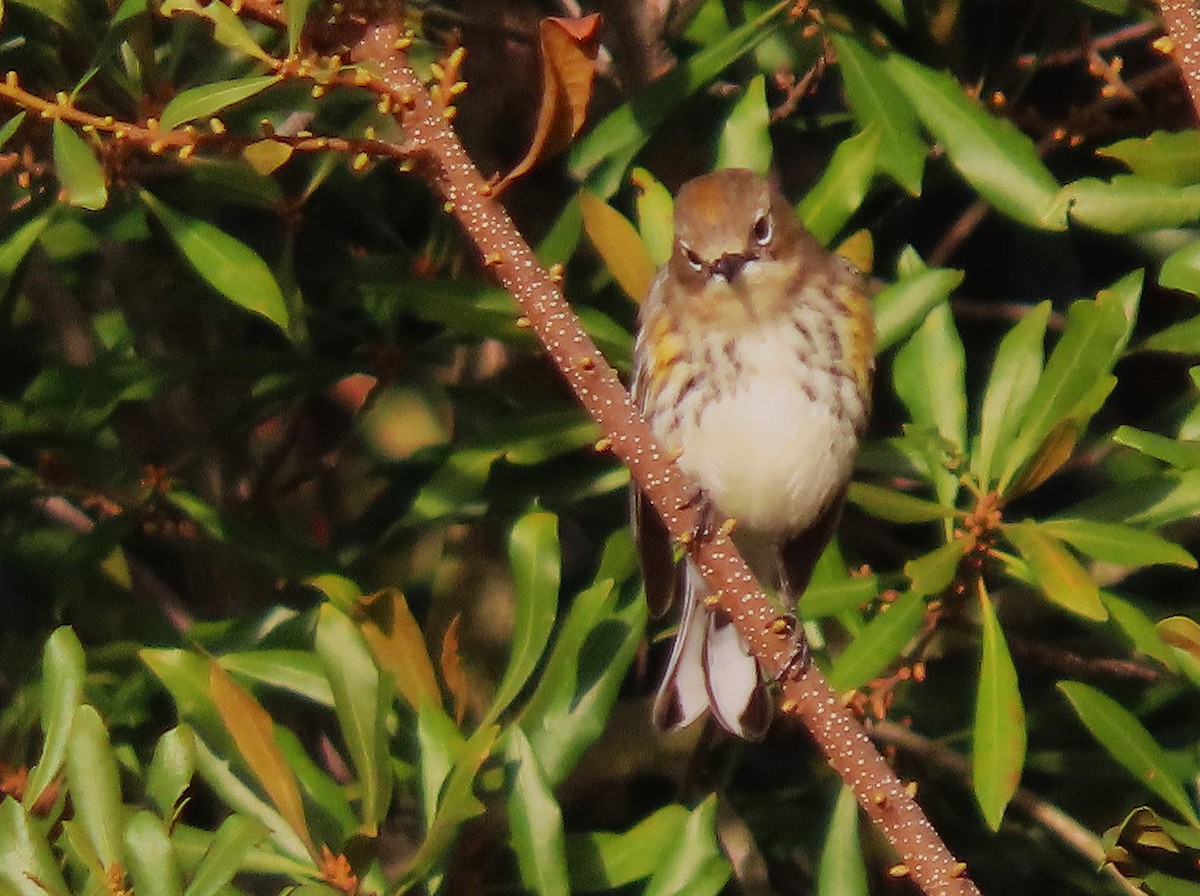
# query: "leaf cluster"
{"points": [[292, 472]]}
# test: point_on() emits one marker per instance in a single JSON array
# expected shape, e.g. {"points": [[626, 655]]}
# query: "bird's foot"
{"points": [[799, 656], [710, 522]]}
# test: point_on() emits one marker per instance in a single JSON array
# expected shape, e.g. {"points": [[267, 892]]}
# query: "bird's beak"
{"points": [[728, 265]]}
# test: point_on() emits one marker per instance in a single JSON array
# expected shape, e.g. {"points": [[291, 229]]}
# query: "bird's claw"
{"points": [[708, 519], [799, 655]]}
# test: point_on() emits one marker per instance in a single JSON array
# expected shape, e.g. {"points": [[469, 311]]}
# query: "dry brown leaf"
{"points": [[452, 670], [253, 733], [569, 48]]}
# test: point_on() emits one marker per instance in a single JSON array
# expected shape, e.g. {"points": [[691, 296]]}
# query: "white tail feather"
{"points": [[709, 668]]}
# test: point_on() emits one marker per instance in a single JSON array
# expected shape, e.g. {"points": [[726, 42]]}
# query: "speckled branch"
{"points": [[439, 156], [1182, 18]]}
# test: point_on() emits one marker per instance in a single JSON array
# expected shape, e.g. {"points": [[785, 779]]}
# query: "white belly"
{"points": [[767, 453]]}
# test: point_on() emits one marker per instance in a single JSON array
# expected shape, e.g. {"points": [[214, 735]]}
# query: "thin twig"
{"points": [[144, 580]]}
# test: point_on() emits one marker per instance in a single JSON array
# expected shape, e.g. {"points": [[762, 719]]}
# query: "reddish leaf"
{"points": [[452, 670], [569, 48], [399, 647], [253, 732]]}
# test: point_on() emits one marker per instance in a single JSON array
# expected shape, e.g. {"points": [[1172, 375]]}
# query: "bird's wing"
{"points": [[659, 569]]}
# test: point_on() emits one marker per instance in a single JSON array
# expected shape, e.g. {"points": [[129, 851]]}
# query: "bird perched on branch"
{"points": [[753, 362]]}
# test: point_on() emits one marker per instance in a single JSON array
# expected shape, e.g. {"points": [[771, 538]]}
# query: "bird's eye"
{"points": [[762, 230], [693, 259]]}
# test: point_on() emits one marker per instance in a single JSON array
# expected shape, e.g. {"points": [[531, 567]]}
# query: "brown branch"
{"points": [[1182, 19], [442, 160]]}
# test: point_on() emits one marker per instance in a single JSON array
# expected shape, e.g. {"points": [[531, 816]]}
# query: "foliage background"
{"points": [[350, 596]]}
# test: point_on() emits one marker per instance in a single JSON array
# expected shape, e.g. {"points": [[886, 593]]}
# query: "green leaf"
{"points": [[361, 698], [592, 652], [453, 488], [18, 244], [827, 207], [228, 265], [171, 769], [999, 735], [1170, 158], [216, 774], [745, 139], [655, 213], [1095, 333], [1117, 543], [207, 100], [990, 153], [1149, 501], [457, 803], [228, 29], [1130, 204], [79, 171], [185, 675], [10, 128], [533, 553], [1127, 741], [932, 573], [534, 821], [61, 687], [1183, 455], [319, 789], [1181, 270], [896, 507], [693, 865], [1139, 629], [440, 745], [821, 599], [929, 375], [27, 866], [842, 870], [875, 99], [229, 182], [1182, 338], [296, 12], [601, 157], [1015, 373], [879, 643], [603, 860], [1062, 579], [150, 857], [94, 784], [231, 844], [297, 671], [902, 306]]}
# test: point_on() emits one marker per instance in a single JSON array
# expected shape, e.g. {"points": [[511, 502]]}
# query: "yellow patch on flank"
{"points": [[861, 327], [665, 353]]}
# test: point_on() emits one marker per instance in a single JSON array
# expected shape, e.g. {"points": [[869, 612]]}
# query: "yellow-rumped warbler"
{"points": [[754, 360]]}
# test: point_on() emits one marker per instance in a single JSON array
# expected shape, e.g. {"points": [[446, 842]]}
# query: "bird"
{"points": [[753, 366]]}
